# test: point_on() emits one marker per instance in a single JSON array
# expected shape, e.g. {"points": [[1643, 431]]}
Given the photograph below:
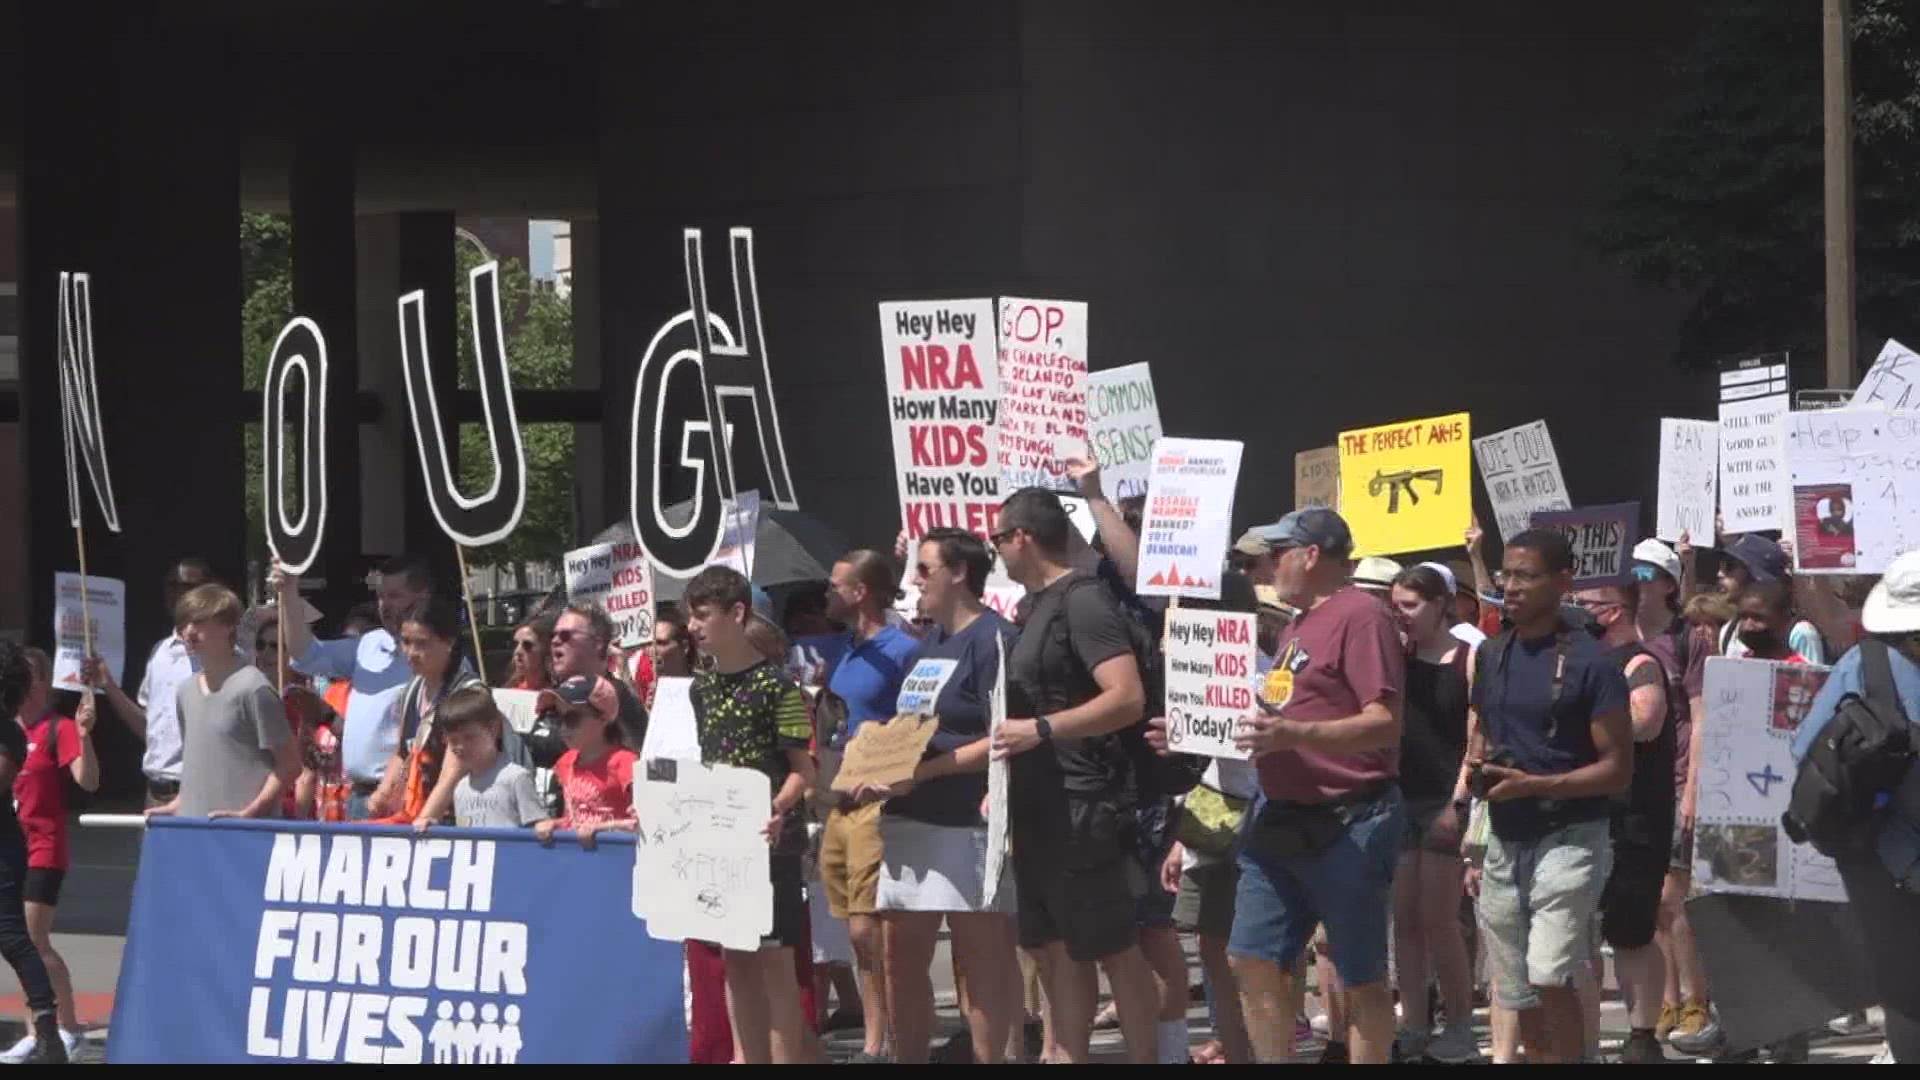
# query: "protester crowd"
{"points": [[1462, 782]]}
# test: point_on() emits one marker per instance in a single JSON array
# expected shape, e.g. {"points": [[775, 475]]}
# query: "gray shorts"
{"points": [[1205, 903], [1538, 904]]}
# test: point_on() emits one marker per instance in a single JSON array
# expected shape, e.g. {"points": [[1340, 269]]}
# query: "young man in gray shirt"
{"points": [[238, 753], [496, 793]]}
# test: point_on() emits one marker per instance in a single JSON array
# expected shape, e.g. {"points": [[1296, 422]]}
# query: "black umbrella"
{"points": [[790, 547]]}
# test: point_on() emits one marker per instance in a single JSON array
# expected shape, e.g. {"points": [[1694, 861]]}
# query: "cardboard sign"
{"points": [[1184, 536], [106, 606], [885, 753], [1316, 478], [700, 871], [1405, 486], [1746, 772], [943, 402], [1522, 474], [1602, 539], [1889, 383], [619, 578], [1043, 392], [1855, 483], [1123, 420], [1210, 664], [1753, 471], [1689, 480]]}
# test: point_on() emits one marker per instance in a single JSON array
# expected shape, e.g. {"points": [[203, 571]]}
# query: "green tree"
{"points": [[539, 325], [1721, 197]]}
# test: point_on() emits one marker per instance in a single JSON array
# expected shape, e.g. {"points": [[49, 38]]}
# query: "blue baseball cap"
{"points": [[1314, 527]]}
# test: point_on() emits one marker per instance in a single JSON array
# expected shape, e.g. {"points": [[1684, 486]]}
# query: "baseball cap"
{"points": [[1376, 572], [1313, 527], [1251, 543], [1893, 607], [589, 690], [1652, 552], [1762, 557]]}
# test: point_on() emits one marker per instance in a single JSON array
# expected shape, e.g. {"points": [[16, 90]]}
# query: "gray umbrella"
{"points": [[790, 547]]}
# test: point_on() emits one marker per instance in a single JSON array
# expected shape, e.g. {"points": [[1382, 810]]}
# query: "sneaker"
{"points": [[1410, 1044], [18, 1052], [1334, 1054], [1669, 1018], [1321, 1024], [1884, 1057], [1698, 1032], [49, 1042], [1641, 1048], [1455, 1045]]}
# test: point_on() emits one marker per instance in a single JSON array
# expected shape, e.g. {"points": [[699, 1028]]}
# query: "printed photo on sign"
{"points": [[943, 402], [1043, 391], [1823, 526], [1405, 486], [921, 688]]}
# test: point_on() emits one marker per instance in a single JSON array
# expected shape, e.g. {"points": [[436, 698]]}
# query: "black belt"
{"points": [[163, 789]]}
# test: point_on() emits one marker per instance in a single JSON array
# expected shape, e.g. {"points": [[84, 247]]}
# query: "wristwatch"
{"points": [[1044, 727]]}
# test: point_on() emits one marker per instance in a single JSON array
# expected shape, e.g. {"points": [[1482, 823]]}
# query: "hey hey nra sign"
{"points": [[294, 942]]}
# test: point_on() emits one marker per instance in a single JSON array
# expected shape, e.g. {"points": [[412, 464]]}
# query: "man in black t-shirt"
{"points": [[1073, 685]]}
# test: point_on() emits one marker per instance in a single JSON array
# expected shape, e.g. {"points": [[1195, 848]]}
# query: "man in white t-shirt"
{"points": [[152, 714]]}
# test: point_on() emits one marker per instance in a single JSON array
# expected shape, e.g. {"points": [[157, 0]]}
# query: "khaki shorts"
{"points": [[850, 852]]}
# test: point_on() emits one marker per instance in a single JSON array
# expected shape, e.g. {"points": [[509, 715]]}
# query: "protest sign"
{"points": [[83, 440], [1123, 420], [1746, 772], [104, 612], [1602, 539], [1316, 478], [490, 516], [700, 871], [1184, 536], [886, 753], [1522, 474], [1753, 473], [368, 945], [1209, 657], [1889, 383], [1689, 480], [619, 578], [1043, 391], [1404, 486], [943, 400], [739, 528], [997, 820], [1855, 483], [672, 728], [920, 690], [299, 350]]}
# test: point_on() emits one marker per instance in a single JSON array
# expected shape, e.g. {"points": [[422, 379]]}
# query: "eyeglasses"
{"points": [[1000, 538], [525, 644]]}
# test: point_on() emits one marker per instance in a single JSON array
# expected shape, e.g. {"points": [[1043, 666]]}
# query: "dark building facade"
{"points": [[1307, 217]]}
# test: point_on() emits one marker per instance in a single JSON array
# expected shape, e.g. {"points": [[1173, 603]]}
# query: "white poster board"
{"points": [[1689, 480], [1753, 468], [1184, 536], [943, 402], [1043, 392], [701, 866], [106, 608], [997, 820], [1209, 657], [739, 529], [1123, 420], [1889, 383], [619, 578], [1746, 775], [1522, 474], [1854, 487], [671, 729]]}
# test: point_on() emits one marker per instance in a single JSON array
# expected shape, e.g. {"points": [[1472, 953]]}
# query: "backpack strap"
{"points": [[1876, 670]]}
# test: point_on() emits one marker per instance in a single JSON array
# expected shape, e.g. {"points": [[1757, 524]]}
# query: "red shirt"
{"points": [[598, 791], [40, 792], [1335, 659]]}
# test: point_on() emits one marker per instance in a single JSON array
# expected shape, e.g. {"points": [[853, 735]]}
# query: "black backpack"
{"points": [[1845, 783]]}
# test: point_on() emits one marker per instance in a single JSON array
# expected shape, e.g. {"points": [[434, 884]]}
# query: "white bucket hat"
{"points": [[1660, 556], [1894, 605]]}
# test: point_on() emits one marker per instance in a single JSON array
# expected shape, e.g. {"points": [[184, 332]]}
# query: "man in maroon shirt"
{"points": [[1322, 839]]}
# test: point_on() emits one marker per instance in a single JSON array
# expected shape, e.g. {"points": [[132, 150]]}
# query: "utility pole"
{"points": [[1836, 65]]}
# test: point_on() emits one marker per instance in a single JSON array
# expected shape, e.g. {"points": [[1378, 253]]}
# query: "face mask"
{"points": [[1760, 641]]}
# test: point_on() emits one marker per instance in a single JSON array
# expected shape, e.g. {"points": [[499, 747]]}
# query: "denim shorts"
{"points": [[1348, 887], [1538, 899]]}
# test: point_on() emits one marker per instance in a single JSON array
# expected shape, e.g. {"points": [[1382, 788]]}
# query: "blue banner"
{"points": [[257, 941]]}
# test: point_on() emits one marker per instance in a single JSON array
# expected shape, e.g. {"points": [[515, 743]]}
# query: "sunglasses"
{"points": [[999, 538], [565, 637], [1645, 573], [525, 644]]}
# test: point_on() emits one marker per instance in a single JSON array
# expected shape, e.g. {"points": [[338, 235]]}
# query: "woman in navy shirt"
{"points": [[934, 836]]}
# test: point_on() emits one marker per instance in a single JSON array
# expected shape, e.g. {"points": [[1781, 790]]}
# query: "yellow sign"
{"points": [[1407, 486]]}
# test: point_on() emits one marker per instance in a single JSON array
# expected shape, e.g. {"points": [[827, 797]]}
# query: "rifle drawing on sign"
{"points": [[81, 434], [1396, 482], [491, 515]]}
